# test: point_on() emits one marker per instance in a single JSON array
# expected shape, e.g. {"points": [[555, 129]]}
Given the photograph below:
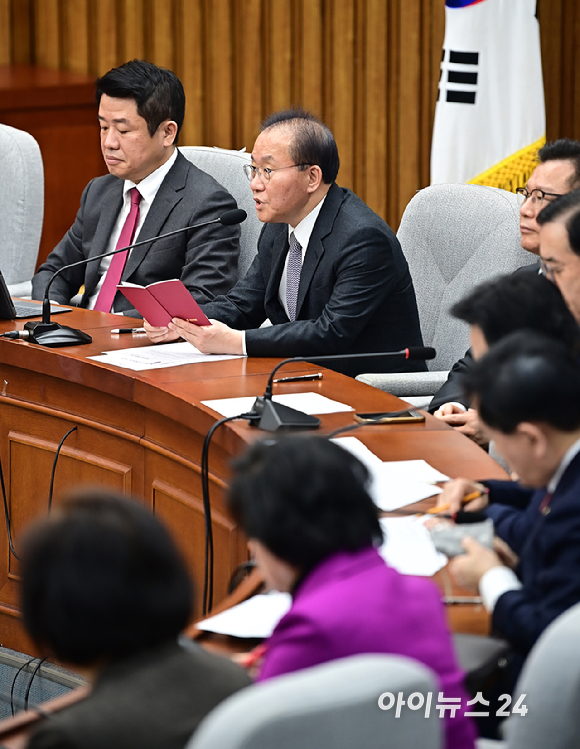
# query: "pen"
{"points": [[464, 501], [300, 378], [120, 331]]}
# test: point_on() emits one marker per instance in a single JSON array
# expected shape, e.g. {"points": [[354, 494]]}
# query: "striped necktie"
{"points": [[293, 275]]}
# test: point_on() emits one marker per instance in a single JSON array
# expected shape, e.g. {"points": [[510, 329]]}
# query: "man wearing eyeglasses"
{"points": [[557, 174], [329, 275], [560, 247]]}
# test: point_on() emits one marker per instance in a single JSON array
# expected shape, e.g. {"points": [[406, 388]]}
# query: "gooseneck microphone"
{"points": [[274, 416], [53, 335]]}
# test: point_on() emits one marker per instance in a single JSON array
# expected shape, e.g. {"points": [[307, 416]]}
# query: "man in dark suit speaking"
{"points": [[329, 275], [151, 189]]}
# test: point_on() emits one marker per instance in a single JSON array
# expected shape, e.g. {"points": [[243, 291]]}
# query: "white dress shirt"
{"points": [[302, 232], [148, 189]]}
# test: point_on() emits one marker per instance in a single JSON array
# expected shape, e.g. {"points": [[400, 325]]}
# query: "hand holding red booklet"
{"points": [[160, 302]]}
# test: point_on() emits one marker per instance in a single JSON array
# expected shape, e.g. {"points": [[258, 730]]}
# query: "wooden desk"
{"points": [[57, 108], [142, 433]]}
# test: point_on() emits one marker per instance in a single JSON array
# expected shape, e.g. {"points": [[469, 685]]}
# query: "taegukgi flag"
{"points": [[489, 117]]}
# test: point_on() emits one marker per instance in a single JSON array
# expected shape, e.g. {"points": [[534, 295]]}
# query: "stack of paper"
{"points": [[308, 403], [409, 548], [256, 617], [395, 484], [157, 357]]}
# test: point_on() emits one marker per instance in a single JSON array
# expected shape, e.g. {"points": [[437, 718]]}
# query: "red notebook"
{"points": [[159, 302]]}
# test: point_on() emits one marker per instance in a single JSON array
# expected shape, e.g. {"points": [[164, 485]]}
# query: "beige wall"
{"points": [[368, 67]]}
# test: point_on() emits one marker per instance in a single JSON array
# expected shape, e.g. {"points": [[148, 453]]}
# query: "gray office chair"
{"points": [[331, 705], [21, 208], [227, 168], [454, 237], [550, 680]]}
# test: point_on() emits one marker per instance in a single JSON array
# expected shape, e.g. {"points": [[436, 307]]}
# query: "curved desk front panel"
{"points": [[142, 433]]}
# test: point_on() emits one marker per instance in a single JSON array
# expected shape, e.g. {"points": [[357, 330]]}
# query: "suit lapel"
{"points": [[315, 251], [110, 206], [168, 196], [279, 252]]}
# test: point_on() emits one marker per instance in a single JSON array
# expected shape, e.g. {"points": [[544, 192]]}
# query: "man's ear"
{"points": [[169, 131], [535, 436], [314, 178]]}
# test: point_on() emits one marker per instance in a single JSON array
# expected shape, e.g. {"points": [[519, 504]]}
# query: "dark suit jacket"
{"points": [[205, 259], [355, 293], [150, 701], [549, 551], [453, 389]]}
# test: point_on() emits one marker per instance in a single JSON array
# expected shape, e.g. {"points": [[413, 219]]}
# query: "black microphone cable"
{"points": [[29, 687], [7, 514], [26, 664], [207, 600], [54, 463]]}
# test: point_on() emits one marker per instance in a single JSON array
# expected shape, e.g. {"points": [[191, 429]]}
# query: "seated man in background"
{"points": [[527, 389], [330, 274], [560, 247], [313, 529], [105, 591], [498, 307], [152, 189], [557, 174]]}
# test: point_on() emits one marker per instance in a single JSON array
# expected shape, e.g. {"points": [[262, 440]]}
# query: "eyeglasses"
{"points": [[538, 196], [547, 271], [264, 173]]}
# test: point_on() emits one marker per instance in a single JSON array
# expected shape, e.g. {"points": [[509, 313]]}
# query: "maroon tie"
{"points": [[109, 287]]}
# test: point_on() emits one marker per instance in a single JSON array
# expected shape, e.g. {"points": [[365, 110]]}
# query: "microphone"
{"points": [[53, 335], [274, 416]]}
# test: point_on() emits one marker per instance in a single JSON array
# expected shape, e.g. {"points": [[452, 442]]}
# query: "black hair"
{"points": [[563, 149], [304, 498], [102, 580], [567, 209], [519, 300], [157, 92], [527, 377], [312, 141]]}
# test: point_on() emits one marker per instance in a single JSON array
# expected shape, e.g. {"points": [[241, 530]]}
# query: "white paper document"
{"points": [[409, 548], [141, 358], [395, 484], [256, 617], [308, 403]]}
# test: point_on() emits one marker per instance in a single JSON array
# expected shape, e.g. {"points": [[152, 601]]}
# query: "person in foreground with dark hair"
{"points": [[528, 392], [502, 305], [151, 190], [313, 530], [106, 593], [557, 173], [330, 274]]}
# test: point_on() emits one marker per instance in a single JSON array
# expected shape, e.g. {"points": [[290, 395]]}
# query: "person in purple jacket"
{"points": [[314, 531]]}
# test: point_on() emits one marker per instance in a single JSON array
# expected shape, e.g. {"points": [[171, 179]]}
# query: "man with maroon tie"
{"points": [[151, 189]]}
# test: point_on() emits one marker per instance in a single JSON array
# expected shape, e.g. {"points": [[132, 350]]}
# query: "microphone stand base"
{"points": [[275, 416], [53, 335]]}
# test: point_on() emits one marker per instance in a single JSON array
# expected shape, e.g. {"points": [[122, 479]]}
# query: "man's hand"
{"points": [[466, 422], [506, 554], [447, 409], [454, 492], [216, 338], [469, 568], [159, 335]]}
